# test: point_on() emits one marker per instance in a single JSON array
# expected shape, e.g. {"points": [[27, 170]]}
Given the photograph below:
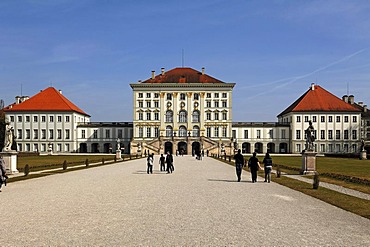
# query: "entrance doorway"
{"points": [[95, 148], [182, 148], [168, 147], [195, 148], [83, 148]]}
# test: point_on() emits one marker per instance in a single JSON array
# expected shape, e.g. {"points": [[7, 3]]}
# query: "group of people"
{"points": [[3, 176], [162, 163], [253, 165]]}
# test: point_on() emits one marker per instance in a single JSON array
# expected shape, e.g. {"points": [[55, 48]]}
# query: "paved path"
{"points": [[200, 204]]}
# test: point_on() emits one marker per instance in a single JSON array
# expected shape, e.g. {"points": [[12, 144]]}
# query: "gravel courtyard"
{"points": [[200, 204]]}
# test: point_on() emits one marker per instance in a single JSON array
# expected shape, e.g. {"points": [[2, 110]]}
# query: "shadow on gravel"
{"points": [[227, 181], [154, 172]]}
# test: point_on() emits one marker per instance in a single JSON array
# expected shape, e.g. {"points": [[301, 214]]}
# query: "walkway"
{"points": [[200, 204]]}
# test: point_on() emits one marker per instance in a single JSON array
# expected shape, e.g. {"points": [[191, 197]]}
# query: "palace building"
{"points": [[188, 111]]}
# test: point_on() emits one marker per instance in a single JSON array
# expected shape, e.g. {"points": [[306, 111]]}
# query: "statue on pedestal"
{"points": [[9, 137], [310, 137]]}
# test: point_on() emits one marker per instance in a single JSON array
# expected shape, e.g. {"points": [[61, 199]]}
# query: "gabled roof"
{"points": [[49, 99], [317, 99], [182, 75]]}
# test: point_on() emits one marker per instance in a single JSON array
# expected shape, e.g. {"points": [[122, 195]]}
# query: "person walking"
{"points": [[267, 162], [169, 162], [150, 161], [254, 165], [239, 163], [162, 161], [3, 175]]}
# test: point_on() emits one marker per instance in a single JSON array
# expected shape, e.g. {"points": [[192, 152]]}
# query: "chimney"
{"points": [[203, 69], [162, 71], [360, 103], [153, 74], [351, 99], [17, 100], [345, 98], [312, 86], [60, 91], [365, 108]]}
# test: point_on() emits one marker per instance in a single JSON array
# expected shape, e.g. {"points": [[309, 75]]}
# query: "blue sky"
{"points": [[272, 50]]}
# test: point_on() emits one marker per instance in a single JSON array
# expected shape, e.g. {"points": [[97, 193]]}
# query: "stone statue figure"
{"points": [[310, 137], [139, 147], [362, 148], [9, 137]]}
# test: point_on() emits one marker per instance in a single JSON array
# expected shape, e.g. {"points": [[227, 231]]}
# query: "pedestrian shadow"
{"points": [[226, 180], [145, 172]]}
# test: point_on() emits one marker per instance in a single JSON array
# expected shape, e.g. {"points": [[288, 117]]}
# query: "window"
{"points": [[51, 134], [148, 104], [208, 116], [196, 96], [271, 133], [43, 134], [322, 148], [283, 133], [19, 136], [354, 119], [330, 134], [182, 96], [28, 147], [140, 95], [11, 118], [156, 132], [337, 134], [182, 117], [148, 95], [35, 119], [245, 134], [95, 135], [216, 104], [216, 131], [35, 134], [43, 147], [59, 147], [322, 134], [345, 134], [35, 147], [59, 119], [51, 119], [148, 132], [314, 119], [19, 149], [43, 119], [346, 119], [208, 95], [258, 134], [169, 96], [140, 104], [338, 119], [156, 115], [208, 132], [27, 119], [140, 116], [330, 148], [216, 95], [354, 134], [224, 131], [224, 104], [298, 119], [59, 134], [141, 132], [298, 148], [224, 116], [224, 95], [169, 116], [208, 103], [20, 119], [28, 134], [107, 133], [156, 95], [196, 131], [298, 134], [66, 147], [67, 119], [67, 134], [216, 116], [306, 119], [156, 104], [196, 116], [182, 131], [330, 119], [169, 131], [148, 115], [323, 119]]}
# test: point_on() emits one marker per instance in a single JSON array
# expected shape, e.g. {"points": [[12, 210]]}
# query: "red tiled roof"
{"points": [[319, 100], [49, 99], [182, 75]]}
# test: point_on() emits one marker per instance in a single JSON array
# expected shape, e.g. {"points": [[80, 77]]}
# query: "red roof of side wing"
{"points": [[183, 75], [49, 99], [319, 100]]}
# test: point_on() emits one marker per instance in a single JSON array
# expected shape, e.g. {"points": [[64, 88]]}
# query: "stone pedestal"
{"points": [[308, 163], [118, 154], [10, 159], [363, 155]]}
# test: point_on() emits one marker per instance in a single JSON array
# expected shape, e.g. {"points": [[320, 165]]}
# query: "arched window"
{"points": [[182, 117], [196, 131], [169, 116], [182, 131], [169, 131], [182, 96], [196, 116]]}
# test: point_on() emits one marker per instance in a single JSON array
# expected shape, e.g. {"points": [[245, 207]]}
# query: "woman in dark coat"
{"points": [[254, 165], [267, 161]]}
